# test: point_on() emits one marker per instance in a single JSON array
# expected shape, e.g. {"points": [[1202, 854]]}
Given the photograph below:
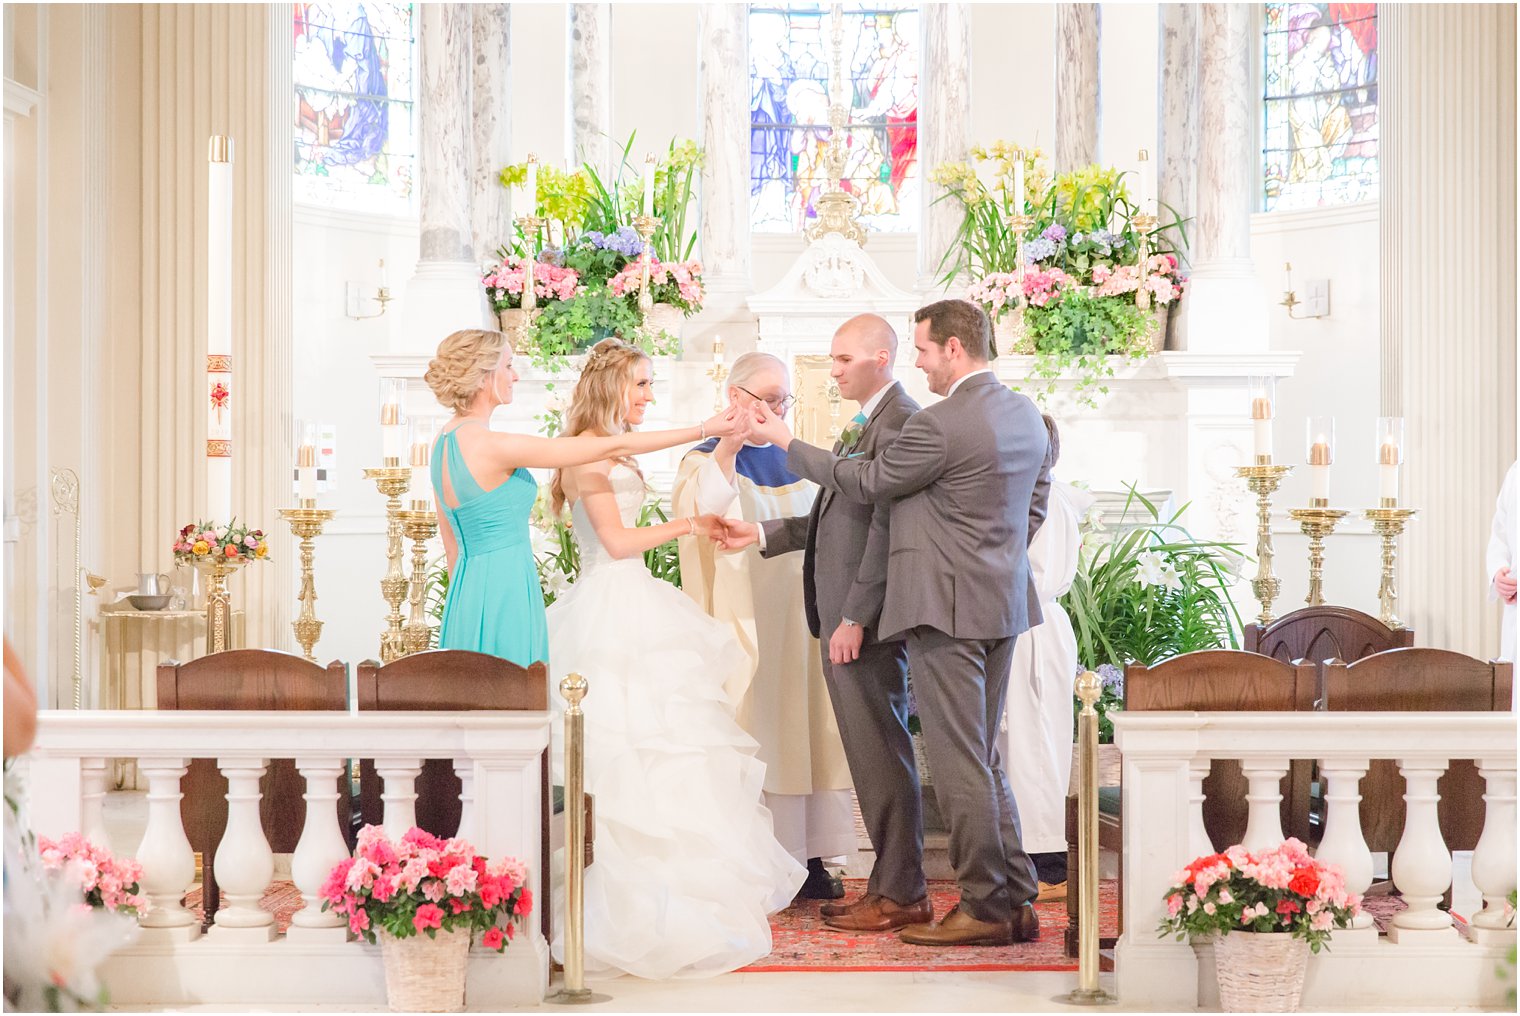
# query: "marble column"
{"points": [[1447, 318], [1178, 135], [1224, 310], [491, 28], [1079, 109], [944, 132], [590, 113], [724, 228], [444, 293]]}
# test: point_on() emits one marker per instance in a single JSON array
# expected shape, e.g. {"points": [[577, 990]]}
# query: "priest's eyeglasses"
{"points": [[778, 406]]}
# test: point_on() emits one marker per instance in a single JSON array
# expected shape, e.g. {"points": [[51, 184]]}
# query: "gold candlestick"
{"points": [[392, 481], [420, 526], [528, 226], [1389, 522], [718, 373], [1316, 522], [218, 599], [306, 522], [1143, 223], [1263, 480], [646, 226]]}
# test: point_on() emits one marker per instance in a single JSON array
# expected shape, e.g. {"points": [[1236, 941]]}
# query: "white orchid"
{"points": [[1152, 567]]}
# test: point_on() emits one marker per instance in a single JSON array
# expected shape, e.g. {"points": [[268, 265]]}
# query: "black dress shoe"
{"points": [[820, 885], [1025, 926]]}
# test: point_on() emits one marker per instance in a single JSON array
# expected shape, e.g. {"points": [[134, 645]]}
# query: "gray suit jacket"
{"points": [[961, 478], [845, 542]]}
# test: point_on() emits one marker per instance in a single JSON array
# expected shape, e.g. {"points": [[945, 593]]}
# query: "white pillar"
{"points": [[1178, 141], [944, 134], [724, 223], [1079, 108], [1343, 843], [1264, 802], [1224, 310], [1447, 154], [1421, 866], [444, 293], [491, 28], [167, 861], [244, 862], [320, 848], [590, 91]]}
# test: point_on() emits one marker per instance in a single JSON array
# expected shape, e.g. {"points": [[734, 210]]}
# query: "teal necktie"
{"points": [[861, 419]]}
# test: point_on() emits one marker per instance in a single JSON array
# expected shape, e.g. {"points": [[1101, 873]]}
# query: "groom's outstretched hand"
{"points": [[768, 428], [738, 534]]}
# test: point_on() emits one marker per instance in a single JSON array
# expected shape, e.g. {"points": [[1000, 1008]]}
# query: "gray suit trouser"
{"points": [[962, 686], [870, 698]]}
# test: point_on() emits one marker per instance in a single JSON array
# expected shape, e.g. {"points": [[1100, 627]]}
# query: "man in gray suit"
{"points": [[961, 479], [844, 581]]}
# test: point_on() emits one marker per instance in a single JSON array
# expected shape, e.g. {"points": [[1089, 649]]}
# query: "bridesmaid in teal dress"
{"points": [[485, 493]]}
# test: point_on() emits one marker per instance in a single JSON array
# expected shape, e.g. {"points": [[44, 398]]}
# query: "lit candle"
{"points": [[530, 206], [419, 455], [1018, 181], [1321, 431], [1147, 196], [392, 436], [718, 350], [306, 470], [1390, 455], [1261, 389], [649, 185]]}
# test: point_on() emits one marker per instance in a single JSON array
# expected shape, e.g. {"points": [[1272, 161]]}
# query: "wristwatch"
{"points": [[852, 624]]}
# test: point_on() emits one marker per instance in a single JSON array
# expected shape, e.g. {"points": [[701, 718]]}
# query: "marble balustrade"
{"points": [[241, 960], [1423, 960]]}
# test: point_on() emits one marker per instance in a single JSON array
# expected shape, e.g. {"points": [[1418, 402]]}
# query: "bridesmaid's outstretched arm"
{"points": [[508, 451]]}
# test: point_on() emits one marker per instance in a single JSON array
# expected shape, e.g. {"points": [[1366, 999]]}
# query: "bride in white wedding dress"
{"points": [[687, 865]]}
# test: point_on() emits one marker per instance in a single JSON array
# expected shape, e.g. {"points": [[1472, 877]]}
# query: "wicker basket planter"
{"points": [[1260, 971], [425, 974]]}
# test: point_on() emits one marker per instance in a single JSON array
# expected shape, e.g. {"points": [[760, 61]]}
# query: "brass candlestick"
{"points": [[1389, 522], [392, 481], [1316, 522], [1143, 223], [306, 522], [1263, 480], [420, 525], [528, 227], [718, 373], [218, 599], [646, 226]]}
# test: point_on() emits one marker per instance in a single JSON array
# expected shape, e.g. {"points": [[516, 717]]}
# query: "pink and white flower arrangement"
{"points": [[1278, 890], [678, 283], [1043, 286], [996, 292], [425, 884], [1161, 279], [504, 283], [106, 882]]}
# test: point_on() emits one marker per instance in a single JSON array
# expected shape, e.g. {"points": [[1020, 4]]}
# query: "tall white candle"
{"points": [[1018, 181], [530, 206], [1319, 469], [219, 332], [1388, 472], [306, 472], [1147, 197], [1261, 427], [649, 185]]}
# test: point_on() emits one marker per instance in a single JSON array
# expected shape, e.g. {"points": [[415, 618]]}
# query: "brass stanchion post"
{"points": [[1087, 991], [574, 991]]}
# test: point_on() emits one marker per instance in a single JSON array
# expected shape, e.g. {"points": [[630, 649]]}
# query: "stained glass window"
{"points": [[355, 138], [791, 54], [1320, 104]]}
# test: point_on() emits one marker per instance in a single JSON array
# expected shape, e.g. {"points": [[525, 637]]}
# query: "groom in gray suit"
{"points": [[844, 578], [961, 479]]}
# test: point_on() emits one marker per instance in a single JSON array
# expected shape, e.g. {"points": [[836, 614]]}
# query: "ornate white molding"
{"points": [[1329, 217], [19, 99]]}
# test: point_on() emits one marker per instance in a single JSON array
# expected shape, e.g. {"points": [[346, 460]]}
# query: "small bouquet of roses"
{"points": [[427, 884], [106, 882], [233, 542]]}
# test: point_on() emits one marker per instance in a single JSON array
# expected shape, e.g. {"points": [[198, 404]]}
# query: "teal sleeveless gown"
{"points": [[495, 604]]}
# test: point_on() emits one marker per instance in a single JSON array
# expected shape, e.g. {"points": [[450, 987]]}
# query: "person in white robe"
{"points": [[1038, 723], [1501, 563], [785, 705]]}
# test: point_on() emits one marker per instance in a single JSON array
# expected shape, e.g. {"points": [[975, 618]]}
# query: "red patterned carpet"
{"points": [[802, 942]]}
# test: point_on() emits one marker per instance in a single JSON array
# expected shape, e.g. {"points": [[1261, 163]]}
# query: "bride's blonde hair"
{"points": [[599, 404]]}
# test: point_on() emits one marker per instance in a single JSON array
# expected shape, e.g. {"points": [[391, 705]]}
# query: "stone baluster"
{"points": [[1198, 834], [167, 861], [320, 848], [1264, 801], [590, 92], [399, 793], [1343, 843], [244, 862], [1421, 866], [93, 773], [1078, 109], [464, 768], [1494, 861]]}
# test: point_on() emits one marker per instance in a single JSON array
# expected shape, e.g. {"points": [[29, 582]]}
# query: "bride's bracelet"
{"points": [[702, 429], [691, 524]]}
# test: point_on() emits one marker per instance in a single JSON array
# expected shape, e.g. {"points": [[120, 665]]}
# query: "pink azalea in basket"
{"points": [[107, 882], [504, 283], [425, 885]]}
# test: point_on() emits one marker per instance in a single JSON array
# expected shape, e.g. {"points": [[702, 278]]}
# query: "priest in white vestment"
{"points": [[1501, 562], [1038, 722], [785, 705]]}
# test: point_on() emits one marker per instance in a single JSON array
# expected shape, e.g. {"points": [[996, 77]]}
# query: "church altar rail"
{"points": [[241, 960], [1424, 961]]}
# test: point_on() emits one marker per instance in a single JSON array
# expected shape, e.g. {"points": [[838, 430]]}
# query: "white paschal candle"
{"points": [[1261, 428], [219, 332]]}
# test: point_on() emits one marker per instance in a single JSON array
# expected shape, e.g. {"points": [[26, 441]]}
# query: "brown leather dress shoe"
{"points": [[835, 909], [960, 928], [1025, 926], [882, 914]]}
